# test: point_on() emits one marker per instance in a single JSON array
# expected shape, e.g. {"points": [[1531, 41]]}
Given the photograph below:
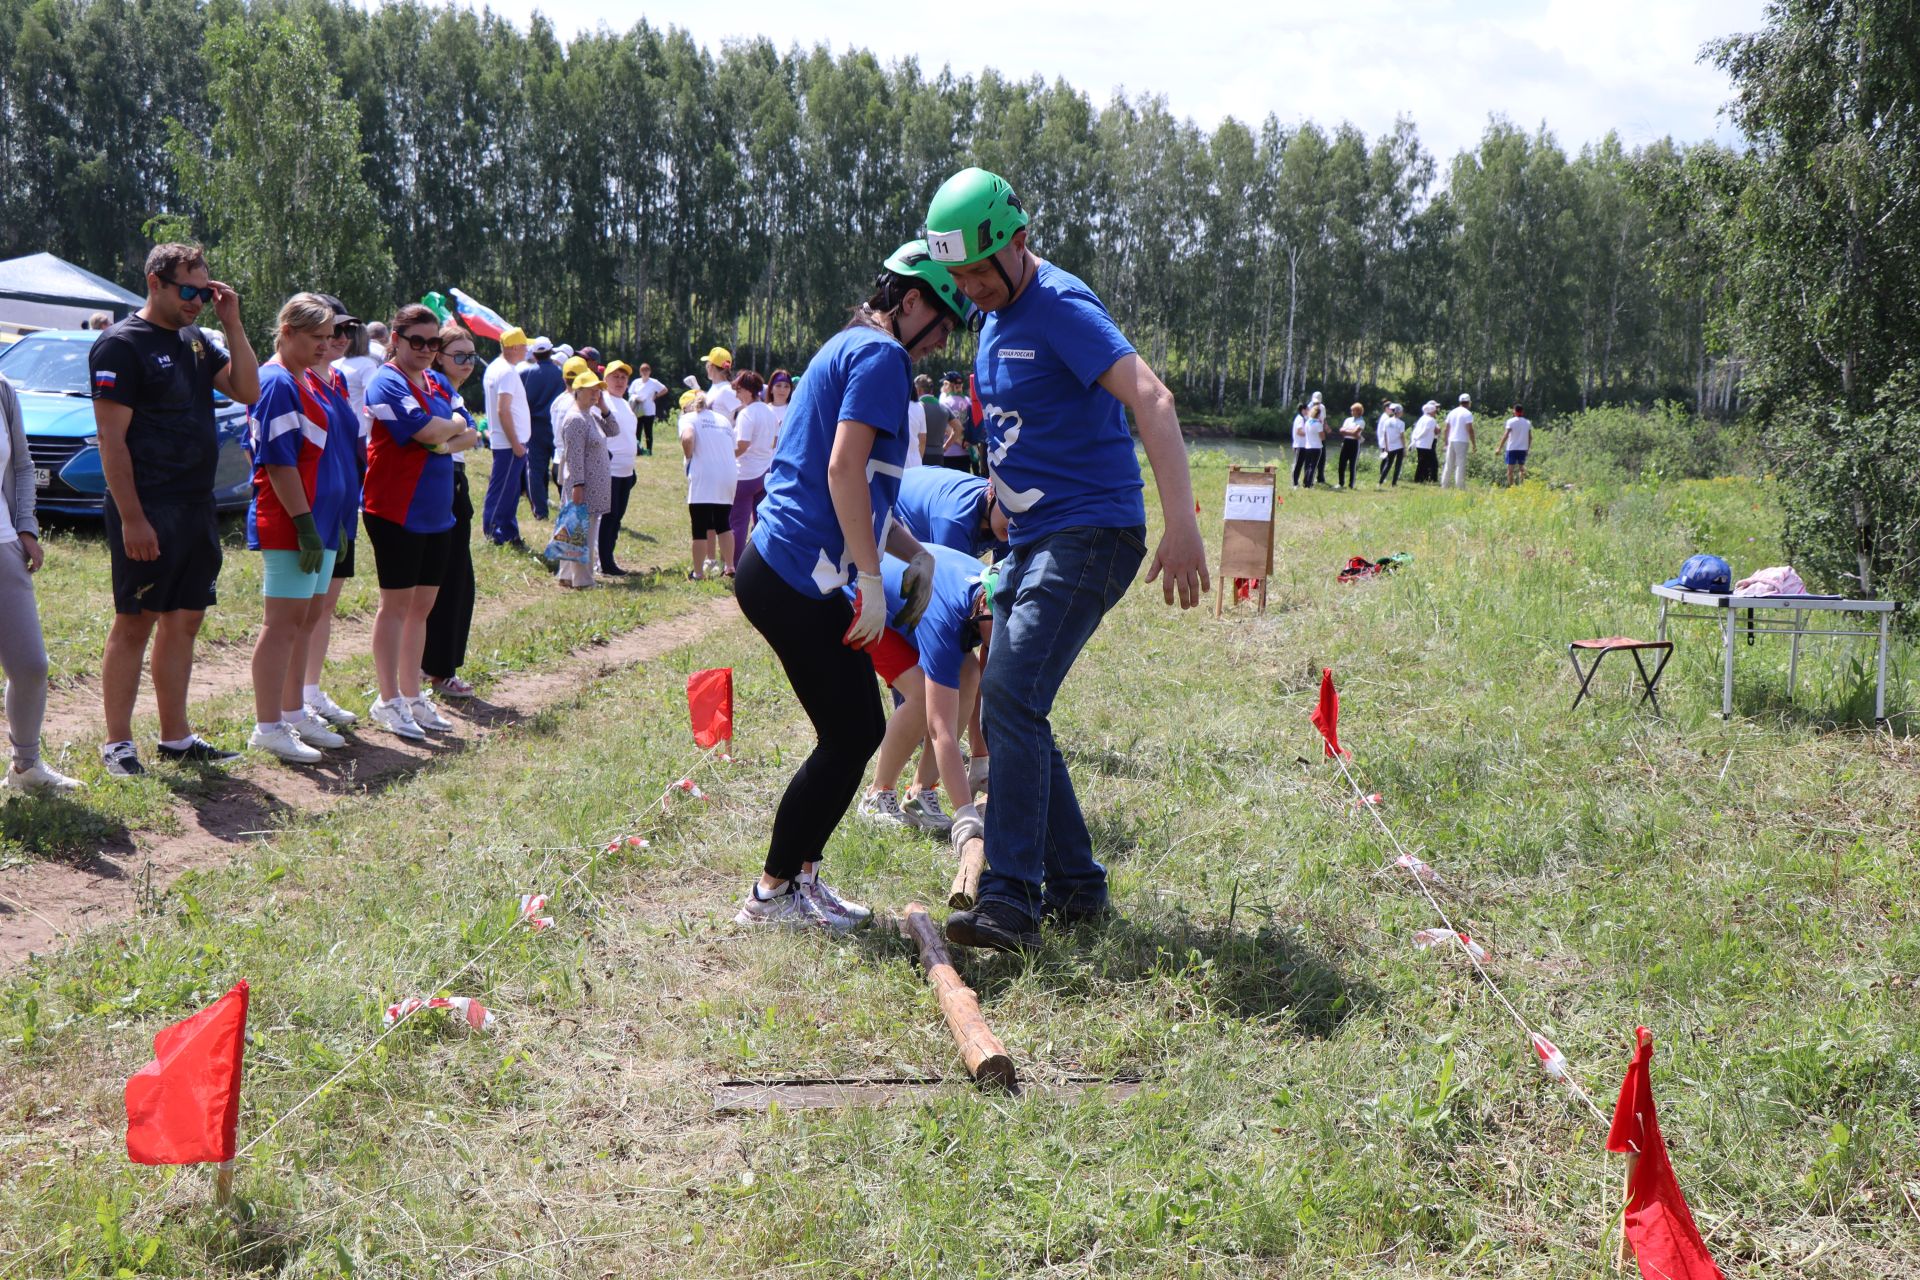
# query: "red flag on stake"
{"points": [[184, 1106], [1658, 1223], [1326, 716], [710, 703]]}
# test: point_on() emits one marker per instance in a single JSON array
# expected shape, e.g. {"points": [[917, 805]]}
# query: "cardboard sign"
{"points": [[1246, 538]]}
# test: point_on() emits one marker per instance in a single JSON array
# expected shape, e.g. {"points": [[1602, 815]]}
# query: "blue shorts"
{"points": [[1516, 457], [281, 579]]}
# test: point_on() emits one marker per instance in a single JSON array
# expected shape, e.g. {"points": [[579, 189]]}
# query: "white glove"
{"points": [[966, 826], [916, 591], [870, 610]]}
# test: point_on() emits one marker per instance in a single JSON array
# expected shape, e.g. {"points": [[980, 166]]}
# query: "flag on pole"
{"points": [[483, 320], [710, 704], [184, 1106], [1326, 715], [436, 302], [1658, 1223]]}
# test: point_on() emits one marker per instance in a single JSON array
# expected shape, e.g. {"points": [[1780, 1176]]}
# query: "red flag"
{"points": [[973, 397], [710, 703], [1326, 716], [184, 1106], [1658, 1222]]}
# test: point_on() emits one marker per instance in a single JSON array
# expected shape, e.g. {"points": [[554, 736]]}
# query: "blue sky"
{"points": [[1581, 66]]}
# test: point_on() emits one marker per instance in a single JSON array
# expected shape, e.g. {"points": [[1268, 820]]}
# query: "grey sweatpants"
{"points": [[23, 655]]}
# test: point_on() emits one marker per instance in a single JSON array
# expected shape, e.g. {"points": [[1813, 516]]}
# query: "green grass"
{"points": [[1319, 1098]]}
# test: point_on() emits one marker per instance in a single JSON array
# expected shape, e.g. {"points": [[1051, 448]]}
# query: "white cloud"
{"points": [[1580, 67]]}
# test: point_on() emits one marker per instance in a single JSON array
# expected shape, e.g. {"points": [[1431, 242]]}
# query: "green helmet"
{"points": [[973, 214], [912, 259]]}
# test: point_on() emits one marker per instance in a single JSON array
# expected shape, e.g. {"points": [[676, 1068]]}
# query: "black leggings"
{"points": [[451, 621], [646, 421], [1426, 466], [836, 687], [1390, 461], [610, 522], [1309, 461], [1349, 461]]}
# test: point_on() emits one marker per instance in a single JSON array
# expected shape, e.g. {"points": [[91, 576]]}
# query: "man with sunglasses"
{"points": [[153, 377]]}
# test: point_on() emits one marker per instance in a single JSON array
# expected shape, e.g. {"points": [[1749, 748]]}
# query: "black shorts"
{"points": [[343, 563], [710, 517], [403, 559], [188, 569]]}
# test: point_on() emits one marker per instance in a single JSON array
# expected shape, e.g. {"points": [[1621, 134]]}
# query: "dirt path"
{"points": [[44, 902]]}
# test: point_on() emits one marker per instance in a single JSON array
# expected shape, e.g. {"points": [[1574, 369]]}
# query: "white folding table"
{"points": [[1707, 606]]}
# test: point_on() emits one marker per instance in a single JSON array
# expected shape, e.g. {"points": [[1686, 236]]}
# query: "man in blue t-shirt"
{"points": [[1056, 380], [951, 508], [543, 381]]}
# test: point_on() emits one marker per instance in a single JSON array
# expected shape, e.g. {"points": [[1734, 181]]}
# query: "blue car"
{"points": [[49, 370]]}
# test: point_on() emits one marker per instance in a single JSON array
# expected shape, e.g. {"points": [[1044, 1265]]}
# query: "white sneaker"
{"points": [[41, 778], [395, 718], [790, 909], [829, 903], [333, 713], [313, 731], [425, 715], [882, 809], [923, 811], [280, 740], [977, 772]]}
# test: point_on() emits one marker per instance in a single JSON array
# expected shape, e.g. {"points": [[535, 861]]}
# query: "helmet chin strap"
{"points": [[1006, 279], [916, 339]]}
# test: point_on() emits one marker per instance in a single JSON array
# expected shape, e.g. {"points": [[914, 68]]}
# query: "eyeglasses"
{"points": [[346, 329], [461, 358], [190, 292], [417, 342]]}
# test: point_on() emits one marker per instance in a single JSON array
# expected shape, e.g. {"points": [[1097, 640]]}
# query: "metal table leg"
{"points": [[1880, 682], [1726, 689], [1793, 666], [1663, 619]]}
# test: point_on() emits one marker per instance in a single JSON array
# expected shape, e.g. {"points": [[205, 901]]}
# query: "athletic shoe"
{"points": [[313, 731], [280, 739], [994, 927], [198, 751], [829, 903], [977, 773], [122, 760], [332, 712], [41, 777], [453, 687], [426, 717], [614, 571], [790, 909], [395, 718], [923, 811], [882, 809], [1073, 917]]}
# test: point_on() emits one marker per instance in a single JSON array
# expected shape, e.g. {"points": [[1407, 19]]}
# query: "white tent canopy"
{"points": [[48, 292]]}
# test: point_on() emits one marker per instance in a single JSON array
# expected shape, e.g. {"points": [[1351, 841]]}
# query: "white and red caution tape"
{"points": [[1427, 939], [530, 903], [1367, 801], [1552, 1061], [685, 784], [1417, 869], [476, 1015]]}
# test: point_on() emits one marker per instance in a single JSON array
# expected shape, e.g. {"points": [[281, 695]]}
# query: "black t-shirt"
{"points": [[166, 377]]}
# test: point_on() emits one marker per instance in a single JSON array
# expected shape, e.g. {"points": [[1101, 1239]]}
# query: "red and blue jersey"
{"points": [[343, 418], [407, 483], [290, 426]]}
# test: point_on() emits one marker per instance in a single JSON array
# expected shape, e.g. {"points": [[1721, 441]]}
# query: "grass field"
{"points": [[1317, 1097]]}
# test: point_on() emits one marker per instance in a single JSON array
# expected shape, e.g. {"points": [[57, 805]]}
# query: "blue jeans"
{"points": [[1052, 595], [539, 462], [500, 512]]}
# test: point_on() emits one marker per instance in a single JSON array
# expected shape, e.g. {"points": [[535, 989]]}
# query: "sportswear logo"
{"points": [[1015, 353], [161, 360]]}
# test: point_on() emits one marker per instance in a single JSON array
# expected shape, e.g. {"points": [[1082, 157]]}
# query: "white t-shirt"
{"points": [[501, 376], [1392, 432], [1519, 433], [711, 471], [916, 433], [1299, 430], [624, 445], [780, 413], [1354, 428], [7, 532], [642, 395], [377, 352], [1458, 420], [1423, 431], [354, 371], [757, 425], [722, 399], [1313, 433]]}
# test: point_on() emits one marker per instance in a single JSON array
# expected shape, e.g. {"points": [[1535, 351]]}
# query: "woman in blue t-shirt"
{"points": [[826, 517]]}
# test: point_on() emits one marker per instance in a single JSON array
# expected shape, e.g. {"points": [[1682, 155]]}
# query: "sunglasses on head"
{"points": [[190, 292], [462, 358], [419, 343]]}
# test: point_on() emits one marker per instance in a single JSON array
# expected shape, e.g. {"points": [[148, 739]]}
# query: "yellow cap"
{"points": [[686, 400], [575, 366], [618, 366], [720, 358], [513, 338], [586, 381]]}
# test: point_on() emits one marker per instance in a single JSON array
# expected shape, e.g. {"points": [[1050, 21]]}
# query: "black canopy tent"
{"points": [[48, 292]]}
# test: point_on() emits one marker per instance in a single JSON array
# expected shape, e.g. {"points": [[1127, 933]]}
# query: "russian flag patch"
{"points": [[104, 378]]}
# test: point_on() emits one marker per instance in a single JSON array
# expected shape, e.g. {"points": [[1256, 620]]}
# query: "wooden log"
{"points": [[987, 1060], [966, 878]]}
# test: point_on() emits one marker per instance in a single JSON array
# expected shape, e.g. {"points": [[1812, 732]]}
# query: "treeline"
{"points": [[633, 190]]}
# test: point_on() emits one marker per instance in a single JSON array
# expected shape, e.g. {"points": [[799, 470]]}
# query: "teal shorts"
{"points": [[281, 579]]}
